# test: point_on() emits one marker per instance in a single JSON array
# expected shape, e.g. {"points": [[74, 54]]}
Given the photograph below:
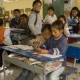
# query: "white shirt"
{"points": [[50, 19], [7, 40], [35, 29]]}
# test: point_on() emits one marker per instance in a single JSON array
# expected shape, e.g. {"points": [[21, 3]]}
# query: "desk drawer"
{"points": [[73, 52]]}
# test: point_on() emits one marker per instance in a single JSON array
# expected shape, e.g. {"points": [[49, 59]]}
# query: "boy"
{"points": [[35, 22], [40, 39], [14, 23], [4, 38]]}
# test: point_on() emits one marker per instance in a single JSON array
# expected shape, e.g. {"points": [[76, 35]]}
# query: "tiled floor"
{"points": [[14, 71]]}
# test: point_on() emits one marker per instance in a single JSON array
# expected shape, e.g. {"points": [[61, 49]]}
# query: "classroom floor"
{"points": [[14, 71]]}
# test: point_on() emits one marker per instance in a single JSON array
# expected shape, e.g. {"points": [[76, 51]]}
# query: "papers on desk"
{"points": [[50, 56], [22, 47], [73, 36], [13, 29]]}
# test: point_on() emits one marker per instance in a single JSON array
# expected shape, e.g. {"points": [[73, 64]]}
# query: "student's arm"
{"points": [[31, 22], [60, 49], [7, 40]]}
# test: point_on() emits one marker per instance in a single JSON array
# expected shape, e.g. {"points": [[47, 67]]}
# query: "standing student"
{"points": [[14, 23], [50, 17], [73, 19], [4, 38], [66, 28], [35, 22], [56, 44]]}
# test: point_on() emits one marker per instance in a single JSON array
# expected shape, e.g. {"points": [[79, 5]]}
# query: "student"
{"points": [[4, 38], [50, 17], [56, 44], [73, 19], [35, 22], [66, 28], [24, 24], [40, 39], [14, 23]]}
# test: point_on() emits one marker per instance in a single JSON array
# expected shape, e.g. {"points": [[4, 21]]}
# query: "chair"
{"points": [[28, 11], [22, 11]]}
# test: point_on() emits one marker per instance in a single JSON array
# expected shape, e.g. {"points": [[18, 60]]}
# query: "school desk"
{"points": [[25, 65]]}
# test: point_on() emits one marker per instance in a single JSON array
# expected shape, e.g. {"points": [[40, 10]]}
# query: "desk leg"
{"points": [[4, 65], [74, 62]]}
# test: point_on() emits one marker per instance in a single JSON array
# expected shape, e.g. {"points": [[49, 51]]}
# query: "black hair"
{"points": [[74, 8], [46, 26], [62, 16], [58, 25], [51, 7], [79, 14], [24, 15], [36, 1], [16, 10], [1, 22]]}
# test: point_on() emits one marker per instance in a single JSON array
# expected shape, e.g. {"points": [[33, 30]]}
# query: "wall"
{"points": [[20, 4], [77, 3]]}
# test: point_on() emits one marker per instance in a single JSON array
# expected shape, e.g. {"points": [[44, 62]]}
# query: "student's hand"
{"points": [[42, 51], [36, 44]]}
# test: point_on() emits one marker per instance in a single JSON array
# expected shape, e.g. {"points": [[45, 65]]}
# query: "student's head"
{"points": [[74, 12], [1, 22], [37, 5], [24, 18], [57, 29], [46, 31], [51, 10], [62, 18], [17, 13]]}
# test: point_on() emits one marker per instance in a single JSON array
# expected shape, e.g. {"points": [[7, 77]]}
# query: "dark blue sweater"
{"points": [[56, 46]]}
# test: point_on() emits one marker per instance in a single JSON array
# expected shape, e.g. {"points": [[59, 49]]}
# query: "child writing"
{"points": [[73, 19], [56, 44], [50, 17], [40, 39], [14, 23], [4, 38], [66, 28]]}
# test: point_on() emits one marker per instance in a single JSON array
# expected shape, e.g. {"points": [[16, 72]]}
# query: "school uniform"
{"points": [[50, 19], [35, 23], [4, 40], [56, 47], [14, 23]]}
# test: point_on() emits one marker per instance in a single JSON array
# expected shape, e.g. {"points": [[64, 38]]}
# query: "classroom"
{"points": [[39, 39]]}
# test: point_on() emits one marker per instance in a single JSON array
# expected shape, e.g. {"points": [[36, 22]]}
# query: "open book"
{"points": [[22, 47]]}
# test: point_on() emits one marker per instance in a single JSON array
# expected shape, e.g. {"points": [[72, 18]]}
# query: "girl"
{"points": [[66, 28], [50, 17], [56, 44], [73, 19]]}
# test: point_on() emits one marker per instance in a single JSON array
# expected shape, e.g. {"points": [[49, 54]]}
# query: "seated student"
{"points": [[24, 24], [73, 19], [77, 28], [4, 38], [50, 17], [40, 39], [56, 44], [66, 28], [14, 23]]}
